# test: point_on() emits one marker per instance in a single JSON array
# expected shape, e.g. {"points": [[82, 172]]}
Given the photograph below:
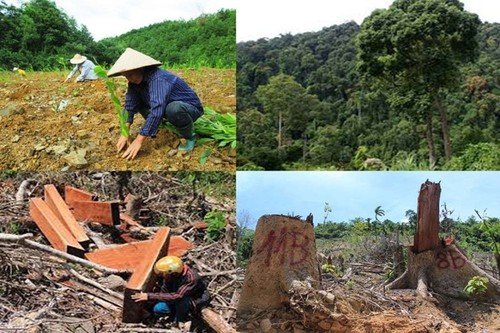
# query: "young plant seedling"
{"points": [[111, 86]]}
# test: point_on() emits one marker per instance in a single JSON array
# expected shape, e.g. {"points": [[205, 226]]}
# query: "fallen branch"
{"points": [[21, 192], [216, 322], [96, 284], [103, 303], [148, 330], [22, 239]]}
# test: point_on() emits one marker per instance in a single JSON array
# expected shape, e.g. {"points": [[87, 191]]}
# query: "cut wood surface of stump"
{"points": [[284, 251]]}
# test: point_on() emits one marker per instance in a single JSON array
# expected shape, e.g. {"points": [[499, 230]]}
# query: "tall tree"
{"points": [[416, 47], [288, 103]]}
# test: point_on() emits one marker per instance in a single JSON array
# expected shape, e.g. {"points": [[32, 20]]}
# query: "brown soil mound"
{"points": [[50, 125]]}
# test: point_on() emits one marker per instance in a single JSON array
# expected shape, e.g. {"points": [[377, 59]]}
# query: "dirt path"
{"points": [[49, 125]]}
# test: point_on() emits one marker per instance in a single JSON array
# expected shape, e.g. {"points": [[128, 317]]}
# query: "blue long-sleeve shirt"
{"points": [[157, 89], [86, 71]]}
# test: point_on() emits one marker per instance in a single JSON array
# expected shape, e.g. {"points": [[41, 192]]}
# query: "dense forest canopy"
{"points": [[416, 86], [40, 36]]}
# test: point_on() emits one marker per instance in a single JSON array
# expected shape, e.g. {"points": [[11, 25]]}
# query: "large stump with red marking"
{"points": [[437, 263], [284, 251]]}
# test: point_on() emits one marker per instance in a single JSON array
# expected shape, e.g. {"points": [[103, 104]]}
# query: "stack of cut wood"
{"points": [[59, 218]]}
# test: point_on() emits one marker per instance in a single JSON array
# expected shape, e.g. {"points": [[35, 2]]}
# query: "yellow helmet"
{"points": [[168, 265]]}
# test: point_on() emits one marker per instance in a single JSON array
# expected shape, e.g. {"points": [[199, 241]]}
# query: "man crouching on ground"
{"points": [[182, 292], [157, 95]]}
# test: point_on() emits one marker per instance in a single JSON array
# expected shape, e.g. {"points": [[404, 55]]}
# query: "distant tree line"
{"points": [[416, 86], [470, 234], [40, 36]]}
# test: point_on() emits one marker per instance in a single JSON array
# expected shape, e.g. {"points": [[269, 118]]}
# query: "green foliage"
{"points": [[217, 127], [372, 92], [349, 284], [216, 224], [331, 269], [491, 227], [388, 272], [40, 36], [207, 41], [111, 86], [481, 156], [476, 286], [245, 242]]}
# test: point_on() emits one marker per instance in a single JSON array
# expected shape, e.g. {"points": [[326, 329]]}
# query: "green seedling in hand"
{"points": [[110, 84]]}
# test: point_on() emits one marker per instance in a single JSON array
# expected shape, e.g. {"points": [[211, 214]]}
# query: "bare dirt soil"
{"points": [[362, 309], [48, 125], [356, 301]]}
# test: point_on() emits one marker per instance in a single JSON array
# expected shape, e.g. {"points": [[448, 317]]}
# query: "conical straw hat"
{"points": [[129, 60], [78, 59]]}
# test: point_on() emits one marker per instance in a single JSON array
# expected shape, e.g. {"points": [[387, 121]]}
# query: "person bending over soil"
{"points": [[157, 95]]}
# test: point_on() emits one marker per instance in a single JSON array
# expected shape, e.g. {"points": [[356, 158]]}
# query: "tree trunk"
{"points": [[283, 250], [444, 127], [441, 264], [427, 231], [430, 141], [280, 121]]}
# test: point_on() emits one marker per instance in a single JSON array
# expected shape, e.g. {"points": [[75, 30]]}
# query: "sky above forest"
{"points": [[109, 18], [266, 19], [353, 194]]}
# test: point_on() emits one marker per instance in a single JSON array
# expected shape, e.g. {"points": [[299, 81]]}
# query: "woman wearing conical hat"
{"points": [[156, 94], [85, 66]]}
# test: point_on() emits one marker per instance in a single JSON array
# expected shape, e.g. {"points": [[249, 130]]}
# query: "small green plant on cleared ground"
{"points": [[216, 224], [476, 286], [216, 127], [110, 84]]}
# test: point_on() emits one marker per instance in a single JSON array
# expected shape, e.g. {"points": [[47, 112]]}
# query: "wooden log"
{"points": [[129, 256], [73, 194], [107, 213], [178, 246], [144, 278], [22, 239], [123, 256], [427, 231], [53, 229], [216, 322], [61, 209]]}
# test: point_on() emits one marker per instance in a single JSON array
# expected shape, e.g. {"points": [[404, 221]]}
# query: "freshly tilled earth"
{"points": [[49, 125]]}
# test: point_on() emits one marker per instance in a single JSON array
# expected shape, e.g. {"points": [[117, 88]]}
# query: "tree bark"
{"points": [[216, 322], [430, 141], [280, 121], [444, 127]]}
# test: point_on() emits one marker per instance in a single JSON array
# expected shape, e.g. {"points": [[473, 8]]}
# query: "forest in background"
{"points": [[476, 234], [40, 36], [373, 97]]}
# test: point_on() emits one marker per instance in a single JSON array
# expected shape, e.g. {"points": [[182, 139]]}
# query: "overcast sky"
{"points": [[357, 194], [270, 18], [109, 18]]}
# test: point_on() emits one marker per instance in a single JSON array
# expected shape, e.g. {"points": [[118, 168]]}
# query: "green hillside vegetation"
{"points": [[415, 87], [360, 236], [39, 36]]}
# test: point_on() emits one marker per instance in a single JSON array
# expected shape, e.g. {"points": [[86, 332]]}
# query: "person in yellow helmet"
{"points": [[181, 292]]}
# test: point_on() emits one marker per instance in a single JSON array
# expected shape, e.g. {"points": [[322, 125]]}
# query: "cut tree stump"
{"points": [[61, 209], [434, 263], [53, 229], [144, 278], [284, 251]]}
